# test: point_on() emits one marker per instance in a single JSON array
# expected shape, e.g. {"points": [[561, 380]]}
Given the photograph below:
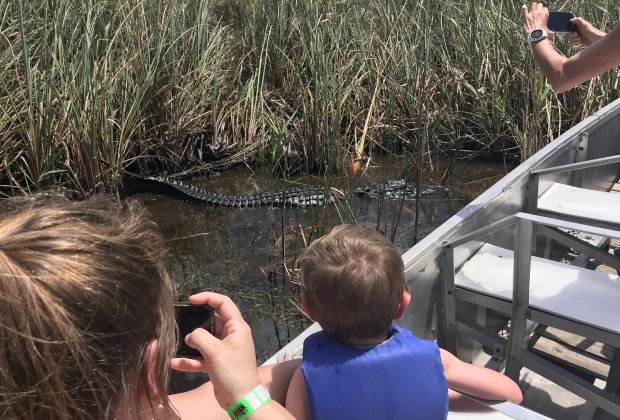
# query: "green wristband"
{"points": [[245, 406]]}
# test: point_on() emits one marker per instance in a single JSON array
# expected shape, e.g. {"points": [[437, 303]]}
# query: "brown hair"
{"points": [[83, 290], [353, 278]]}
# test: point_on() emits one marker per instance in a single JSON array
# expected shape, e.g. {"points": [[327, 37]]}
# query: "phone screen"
{"points": [[189, 317], [560, 22]]}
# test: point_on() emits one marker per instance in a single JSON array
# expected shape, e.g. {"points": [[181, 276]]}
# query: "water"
{"points": [[249, 253]]}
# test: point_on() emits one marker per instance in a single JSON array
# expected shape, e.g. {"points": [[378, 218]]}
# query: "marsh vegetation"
{"points": [[92, 88]]}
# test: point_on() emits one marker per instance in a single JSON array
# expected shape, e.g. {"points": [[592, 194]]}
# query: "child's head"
{"points": [[83, 294], [353, 282]]}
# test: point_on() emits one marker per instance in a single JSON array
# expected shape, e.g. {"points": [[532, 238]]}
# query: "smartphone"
{"points": [[560, 22], [189, 317]]}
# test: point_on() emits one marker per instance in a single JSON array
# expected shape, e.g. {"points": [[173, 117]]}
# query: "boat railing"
{"points": [[560, 311]]}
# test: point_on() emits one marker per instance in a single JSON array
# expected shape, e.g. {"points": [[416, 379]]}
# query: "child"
{"points": [[361, 366]]}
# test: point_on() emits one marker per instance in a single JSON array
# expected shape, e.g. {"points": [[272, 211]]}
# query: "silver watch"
{"points": [[537, 35]]}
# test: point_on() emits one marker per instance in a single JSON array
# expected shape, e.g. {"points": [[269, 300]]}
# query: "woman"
{"points": [[601, 54], [87, 328]]}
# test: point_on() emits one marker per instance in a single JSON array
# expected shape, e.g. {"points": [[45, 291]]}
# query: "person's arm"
{"points": [[480, 382], [200, 403], [229, 358], [296, 397], [565, 73]]}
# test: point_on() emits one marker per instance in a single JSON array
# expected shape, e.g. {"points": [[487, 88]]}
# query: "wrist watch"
{"points": [[537, 35]]}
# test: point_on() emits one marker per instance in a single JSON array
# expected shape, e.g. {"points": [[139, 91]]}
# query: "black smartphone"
{"points": [[189, 317], [560, 22]]}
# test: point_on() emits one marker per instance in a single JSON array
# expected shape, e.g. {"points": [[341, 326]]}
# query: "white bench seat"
{"points": [[583, 295], [581, 203]]}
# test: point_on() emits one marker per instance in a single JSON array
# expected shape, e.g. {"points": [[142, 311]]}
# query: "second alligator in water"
{"points": [[306, 196]]}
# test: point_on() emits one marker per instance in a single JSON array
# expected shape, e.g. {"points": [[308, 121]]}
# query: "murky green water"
{"points": [[247, 253]]}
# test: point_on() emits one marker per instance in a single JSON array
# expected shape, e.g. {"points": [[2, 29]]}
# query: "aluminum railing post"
{"points": [[520, 297]]}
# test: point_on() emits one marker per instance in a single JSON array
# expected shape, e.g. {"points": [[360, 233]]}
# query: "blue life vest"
{"points": [[401, 378]]}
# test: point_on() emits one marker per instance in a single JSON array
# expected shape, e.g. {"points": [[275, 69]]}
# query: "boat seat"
{"points": [[594, 207], [531, 289], [555, 287], [581, 203]]}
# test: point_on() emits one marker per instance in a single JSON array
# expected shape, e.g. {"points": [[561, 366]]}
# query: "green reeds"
{"points": [[92, 88]]}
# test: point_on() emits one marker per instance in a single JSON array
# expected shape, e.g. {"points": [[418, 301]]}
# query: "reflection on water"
{"points": [[247, 253]]}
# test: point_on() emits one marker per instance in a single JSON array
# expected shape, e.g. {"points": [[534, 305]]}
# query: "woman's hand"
{"points": [[585, 35], [229, 357], [535, 18]]}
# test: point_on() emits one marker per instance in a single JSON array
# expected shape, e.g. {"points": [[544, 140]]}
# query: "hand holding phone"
{"points": [[561, 22], [189, 317], [230, 359]]}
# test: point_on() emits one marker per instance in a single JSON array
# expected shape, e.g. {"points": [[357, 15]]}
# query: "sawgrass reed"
{"points": [[92, 88]]}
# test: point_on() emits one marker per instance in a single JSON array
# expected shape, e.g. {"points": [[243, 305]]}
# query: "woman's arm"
{"points": [[477, 381], [565, 73], [200, 402], [229, 359]]}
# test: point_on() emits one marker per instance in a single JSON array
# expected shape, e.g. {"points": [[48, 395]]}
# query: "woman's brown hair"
{"points": [[83, 291]]}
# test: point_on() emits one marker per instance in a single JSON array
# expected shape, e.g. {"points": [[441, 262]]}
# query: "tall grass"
{"points": [[92, 88]]}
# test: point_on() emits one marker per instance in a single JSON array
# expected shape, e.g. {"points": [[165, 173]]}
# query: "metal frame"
{"points": [[517, 355]]}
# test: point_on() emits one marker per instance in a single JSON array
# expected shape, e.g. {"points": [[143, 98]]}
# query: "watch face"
{"points": [[537, 33]]}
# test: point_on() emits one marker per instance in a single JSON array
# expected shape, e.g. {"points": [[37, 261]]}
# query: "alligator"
{"points": [[304, 196]]}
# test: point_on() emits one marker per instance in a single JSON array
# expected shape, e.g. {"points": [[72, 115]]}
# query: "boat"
{"points": [[508, 271]]}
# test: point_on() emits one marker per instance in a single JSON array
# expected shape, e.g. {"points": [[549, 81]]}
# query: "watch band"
{"points": [[245, 406]]}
